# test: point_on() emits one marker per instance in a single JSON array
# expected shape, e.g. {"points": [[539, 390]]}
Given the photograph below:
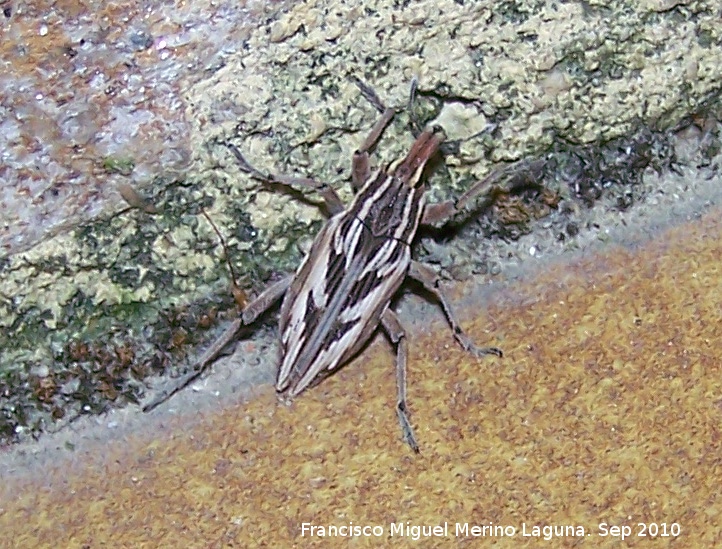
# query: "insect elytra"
{"points": [[341, 293], [353, 269]]}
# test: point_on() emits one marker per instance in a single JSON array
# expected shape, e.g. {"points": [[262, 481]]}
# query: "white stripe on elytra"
{"points": [[377, 194], [399, 233]]}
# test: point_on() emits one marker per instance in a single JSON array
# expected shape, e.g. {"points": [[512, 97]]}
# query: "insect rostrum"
{"points": [[358, 261]]}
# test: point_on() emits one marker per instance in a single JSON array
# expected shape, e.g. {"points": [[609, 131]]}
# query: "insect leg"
{"points": [[369, 94], [250, 313], [360, 165], [430, 280], [397, 335], [504, 180], [360, 162], [437, 214], [264, 301], [328, 194]]}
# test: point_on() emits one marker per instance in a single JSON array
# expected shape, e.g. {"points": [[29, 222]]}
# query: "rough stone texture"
{"points": [[137, 284], [606, 409], [90, 97]]}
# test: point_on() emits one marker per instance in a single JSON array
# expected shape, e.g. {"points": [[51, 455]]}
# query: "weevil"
{"points": [[342, 291]]}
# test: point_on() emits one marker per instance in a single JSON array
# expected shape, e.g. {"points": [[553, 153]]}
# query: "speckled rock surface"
{"points": [[91, 98], [605, 411], [132, 292]]}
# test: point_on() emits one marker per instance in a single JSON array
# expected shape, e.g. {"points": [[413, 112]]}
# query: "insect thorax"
{"points": [[389, 207]]}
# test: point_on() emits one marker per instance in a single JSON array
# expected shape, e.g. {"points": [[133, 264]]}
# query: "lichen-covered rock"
{"points": [[110, 139]]}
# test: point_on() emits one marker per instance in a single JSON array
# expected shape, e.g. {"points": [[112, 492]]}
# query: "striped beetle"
{"points": [[341, 292]]}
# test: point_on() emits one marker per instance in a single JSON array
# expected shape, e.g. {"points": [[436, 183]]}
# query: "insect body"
{"points": [[354, 268], [341, 292]]}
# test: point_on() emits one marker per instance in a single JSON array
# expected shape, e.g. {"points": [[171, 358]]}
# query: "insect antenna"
{"points": [[239, 295]]}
